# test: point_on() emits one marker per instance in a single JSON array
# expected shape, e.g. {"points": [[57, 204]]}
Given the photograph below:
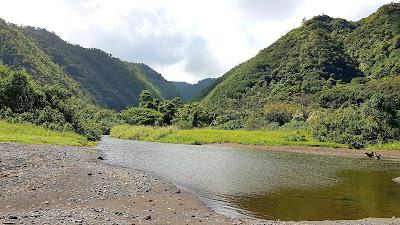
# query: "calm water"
{"points": [[265, 184]]}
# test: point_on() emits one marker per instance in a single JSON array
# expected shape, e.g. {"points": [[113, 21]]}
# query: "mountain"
{"points": [[190, 92], [112, 83], [319, 54], [19, 52], [165, 88]]}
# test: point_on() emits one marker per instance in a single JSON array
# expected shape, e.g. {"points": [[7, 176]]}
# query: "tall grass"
{"points": [[209, 136], [144, 133], [31, 134], [388, 146]]}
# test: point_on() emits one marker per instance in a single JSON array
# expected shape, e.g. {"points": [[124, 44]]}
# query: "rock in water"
{"points": [[397, 180]]}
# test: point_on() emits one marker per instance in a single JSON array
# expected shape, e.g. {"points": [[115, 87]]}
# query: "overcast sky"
{"points": [[184, 40]]}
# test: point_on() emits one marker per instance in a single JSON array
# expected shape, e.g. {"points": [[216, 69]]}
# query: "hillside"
{"points": [[190, 92], [320, 54], [113, 83], [166, 88], [19, 52]]}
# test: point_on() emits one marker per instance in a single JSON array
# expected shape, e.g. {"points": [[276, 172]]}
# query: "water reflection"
{"points": [[272, 185]]}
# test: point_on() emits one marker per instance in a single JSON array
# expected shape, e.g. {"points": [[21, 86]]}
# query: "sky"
{"points": [[184, 40]]}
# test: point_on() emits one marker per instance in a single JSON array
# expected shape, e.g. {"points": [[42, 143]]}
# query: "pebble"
{"points": [[69, 200], [147, 217]]}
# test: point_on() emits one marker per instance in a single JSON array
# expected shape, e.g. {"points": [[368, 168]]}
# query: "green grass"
{"points": [[388, 146], [209, 136], [31, 134]]}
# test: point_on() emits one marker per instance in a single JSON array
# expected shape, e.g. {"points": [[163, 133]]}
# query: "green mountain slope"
{"points": [[166, 88], [375, 43], [19, 52], [319, 54], [113, 83], [190, 92]]}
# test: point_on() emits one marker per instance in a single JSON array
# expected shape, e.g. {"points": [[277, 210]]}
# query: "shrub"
{"points": [[23, 100], [142, 116], [193, 116], [229, 120], [255, 122], [355, 126], [280, 112], [146, 133]]}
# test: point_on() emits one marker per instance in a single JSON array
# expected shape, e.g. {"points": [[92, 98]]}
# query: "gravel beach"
{"points": [[43, 184]]}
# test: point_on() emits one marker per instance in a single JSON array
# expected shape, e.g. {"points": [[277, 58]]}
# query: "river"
{"points": [[241, 182]]}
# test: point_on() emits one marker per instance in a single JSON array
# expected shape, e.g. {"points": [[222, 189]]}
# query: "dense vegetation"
{"points": [[339, 79], [19, 52], [113, 83], [22, 99]]}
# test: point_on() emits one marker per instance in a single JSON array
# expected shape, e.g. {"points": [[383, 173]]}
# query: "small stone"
{"points": [[118, 213], [147, 217], [100, 158], [12, 217], [89, 174], [178, 192], [46, 202]]}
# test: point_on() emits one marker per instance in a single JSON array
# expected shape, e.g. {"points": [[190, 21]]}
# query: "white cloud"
{"points": [[183, 40]]}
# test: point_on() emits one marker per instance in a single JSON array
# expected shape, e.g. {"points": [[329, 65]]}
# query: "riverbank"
{"points": [[211, 136], [45, 184], [274, 138], [31, 134], [340, 152]]}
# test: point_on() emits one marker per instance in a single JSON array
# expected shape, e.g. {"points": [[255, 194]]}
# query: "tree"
{"points": [[19, 92], [142, 116], [168, 109], [146, 100], [193, 115], [178, 102], [279, 112]]}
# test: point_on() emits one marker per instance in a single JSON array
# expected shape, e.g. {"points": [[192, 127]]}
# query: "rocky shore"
{"points": [[42, 184]]}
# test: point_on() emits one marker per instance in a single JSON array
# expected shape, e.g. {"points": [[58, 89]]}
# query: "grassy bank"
{"points": [[31, 134], [209, 136], [388, 146]]}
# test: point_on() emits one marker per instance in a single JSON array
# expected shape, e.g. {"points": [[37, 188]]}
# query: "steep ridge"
{"points": [[375, 43], [113, 83], [19, 52], [319, 54]]}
